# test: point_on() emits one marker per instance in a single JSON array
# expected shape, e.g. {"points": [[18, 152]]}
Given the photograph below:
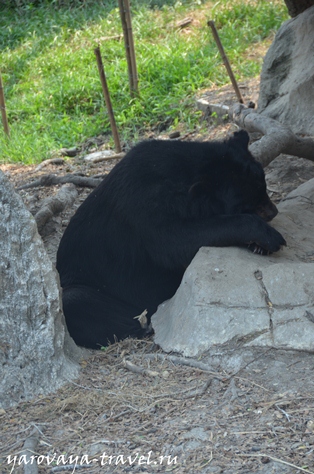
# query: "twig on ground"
{"points": [[122, 413], [253, 383], [208, 461], [284, 412], [187, 362], [51, 161], [183, 23], [110, 38], [139, 370], [99, 156]]}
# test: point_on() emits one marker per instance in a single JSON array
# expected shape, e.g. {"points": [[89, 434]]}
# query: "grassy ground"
{"points": [[51, 82]]}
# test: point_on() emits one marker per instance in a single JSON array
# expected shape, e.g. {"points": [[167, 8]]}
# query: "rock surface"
{"points": [[232, 298], [287, 79], [36, 353]]}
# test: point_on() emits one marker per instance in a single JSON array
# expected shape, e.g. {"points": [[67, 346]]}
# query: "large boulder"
{"points": [[287, 79], [231, 298], [36, 353]]}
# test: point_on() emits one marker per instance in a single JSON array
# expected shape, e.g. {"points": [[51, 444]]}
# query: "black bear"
{"points": [[128, 245]]}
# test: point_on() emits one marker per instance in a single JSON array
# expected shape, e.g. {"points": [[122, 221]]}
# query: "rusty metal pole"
{"points": [[107, 99], [225, 60]]}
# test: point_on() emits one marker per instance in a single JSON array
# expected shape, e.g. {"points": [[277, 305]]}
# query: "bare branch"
{"points": [[183, 361], [51, 161], [139, 370]]}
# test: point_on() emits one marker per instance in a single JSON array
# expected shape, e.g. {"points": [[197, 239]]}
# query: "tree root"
{"points": [[55, 204], [51, 179], [277, 139], [29, 453]]}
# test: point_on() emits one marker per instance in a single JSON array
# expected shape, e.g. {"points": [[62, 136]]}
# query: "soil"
{"points": [[135, 409]]}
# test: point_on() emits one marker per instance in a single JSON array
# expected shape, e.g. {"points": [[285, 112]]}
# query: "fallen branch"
{"points": [[183, 23], [55, 204], [277, 139], [139, 370], [108, 38], [102, 156], [118, 415], [187, 362], [51, 179], [51, 161]]}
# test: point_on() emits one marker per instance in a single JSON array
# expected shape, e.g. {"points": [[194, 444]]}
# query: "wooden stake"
{"points": [[107, 99], [125, 14], [3, 110], [131, 43], [226, 61], [126, 44]]}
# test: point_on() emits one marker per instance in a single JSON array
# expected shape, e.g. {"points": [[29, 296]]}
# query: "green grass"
{"points": [[52, 88]]}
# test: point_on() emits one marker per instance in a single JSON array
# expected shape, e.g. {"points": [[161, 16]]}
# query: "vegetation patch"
{"points": [[51, 82]]}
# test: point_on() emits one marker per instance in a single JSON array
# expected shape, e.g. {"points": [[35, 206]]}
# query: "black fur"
{"points": [[128, 245]]}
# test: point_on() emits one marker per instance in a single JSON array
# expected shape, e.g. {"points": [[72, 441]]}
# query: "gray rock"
{"points": [[36, 353], [287, 79], [229, 296], [286, 173]]}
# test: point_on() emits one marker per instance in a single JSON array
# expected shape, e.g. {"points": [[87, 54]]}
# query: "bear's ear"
{"points": [[241, 139]]}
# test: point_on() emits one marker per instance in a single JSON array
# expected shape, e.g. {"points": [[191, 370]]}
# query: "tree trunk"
{"points": [[298, 6]]}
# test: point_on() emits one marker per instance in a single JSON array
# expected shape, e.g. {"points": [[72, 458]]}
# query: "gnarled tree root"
{"points": [[54, 205], [277, 138]]}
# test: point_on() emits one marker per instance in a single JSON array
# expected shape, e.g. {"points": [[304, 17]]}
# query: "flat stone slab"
{"points": [[232, 298]]}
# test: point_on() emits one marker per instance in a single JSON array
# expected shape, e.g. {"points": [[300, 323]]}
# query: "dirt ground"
{"points": [[136, 409]]}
